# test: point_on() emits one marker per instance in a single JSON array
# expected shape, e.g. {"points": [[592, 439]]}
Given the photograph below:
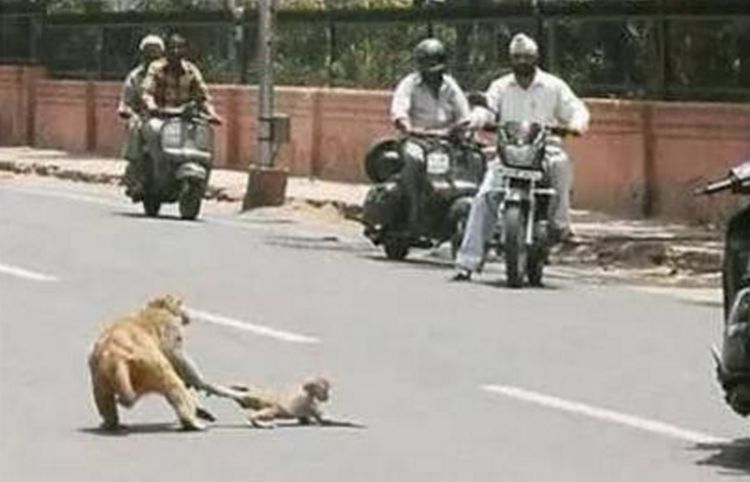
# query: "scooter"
{"points": [[181, 171], [451, 167], [733, 360]]}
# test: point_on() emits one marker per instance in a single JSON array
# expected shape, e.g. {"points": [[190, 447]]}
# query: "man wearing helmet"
{"points": [[428, 100], [528, 94], [131, 109]]}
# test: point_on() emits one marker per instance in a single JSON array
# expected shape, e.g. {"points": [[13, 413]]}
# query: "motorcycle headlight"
{"points": [[523, 156], [412, 149], [171, 135], [438, 162]]}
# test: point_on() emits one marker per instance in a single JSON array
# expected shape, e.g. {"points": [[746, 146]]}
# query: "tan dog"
{"points": [[299, 401], [143, 353]]}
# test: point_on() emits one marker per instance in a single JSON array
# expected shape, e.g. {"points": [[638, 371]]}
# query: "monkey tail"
{"points": [[123, 385]]}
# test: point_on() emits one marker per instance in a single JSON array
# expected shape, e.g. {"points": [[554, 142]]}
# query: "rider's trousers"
{"points": [[484, 206]]}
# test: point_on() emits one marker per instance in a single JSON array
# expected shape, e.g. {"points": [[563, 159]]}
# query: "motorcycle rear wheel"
{"points": [[516, 254], [535, 267], [191, 197]]}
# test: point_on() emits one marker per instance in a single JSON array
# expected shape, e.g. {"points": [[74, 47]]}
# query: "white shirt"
{"points": [[414, 101], [548, 100]]}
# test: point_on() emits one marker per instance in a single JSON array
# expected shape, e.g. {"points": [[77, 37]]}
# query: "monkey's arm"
{"points": [[317, 415], [188, 371]]}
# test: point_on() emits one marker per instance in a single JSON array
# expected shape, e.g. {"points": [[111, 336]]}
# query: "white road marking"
{"points": [[252, 327], [606, 415], [66, 195], [25, 273]]}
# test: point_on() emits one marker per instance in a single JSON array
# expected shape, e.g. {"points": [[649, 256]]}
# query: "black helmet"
{"points": [[430, 55]]}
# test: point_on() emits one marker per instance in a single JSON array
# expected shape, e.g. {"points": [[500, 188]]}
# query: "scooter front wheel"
{"points": [[151, 206], [191, 197], [396, 248]]}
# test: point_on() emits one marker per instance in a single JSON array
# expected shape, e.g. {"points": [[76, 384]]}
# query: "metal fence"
{"points": [[633, 49]]}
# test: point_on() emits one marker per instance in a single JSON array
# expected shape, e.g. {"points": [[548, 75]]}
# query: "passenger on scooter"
{"points": [[173, 82], [528, 94], [132, 109], [427, 100]]}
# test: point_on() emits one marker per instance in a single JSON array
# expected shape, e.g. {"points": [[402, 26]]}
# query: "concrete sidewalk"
{"points": [[600, 239]]}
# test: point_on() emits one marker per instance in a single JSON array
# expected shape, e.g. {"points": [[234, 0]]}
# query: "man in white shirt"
{"points": [[528, 94], [426, 100]]}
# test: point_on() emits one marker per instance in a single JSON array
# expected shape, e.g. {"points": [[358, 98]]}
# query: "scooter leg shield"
{"points": [[736, 270], [191, 170], [383, 205]]}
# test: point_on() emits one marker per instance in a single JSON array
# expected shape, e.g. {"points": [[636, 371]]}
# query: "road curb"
{"points": [[351, 211]]}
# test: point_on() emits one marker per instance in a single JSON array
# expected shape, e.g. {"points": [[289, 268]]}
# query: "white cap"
{"points": [[152, 40], [524, 45]]}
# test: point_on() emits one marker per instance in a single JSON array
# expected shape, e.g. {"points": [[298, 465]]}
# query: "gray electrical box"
{"points": [[276, 129]]}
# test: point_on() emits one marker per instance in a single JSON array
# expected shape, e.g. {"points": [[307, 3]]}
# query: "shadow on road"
{"points": [[733, 457], [162, 428], [142, 428], [425, 263], [297, 425], [160, 217], [321, 243]]}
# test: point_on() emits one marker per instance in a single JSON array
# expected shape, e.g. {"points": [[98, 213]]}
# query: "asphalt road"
{"points": [[573, 382]]}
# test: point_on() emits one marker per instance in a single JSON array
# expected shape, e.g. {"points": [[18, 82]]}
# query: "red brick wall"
{"points": [[639, 158]]}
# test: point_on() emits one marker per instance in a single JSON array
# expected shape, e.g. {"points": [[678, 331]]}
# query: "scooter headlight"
{"points": [[414, 150], [438, 162], [171, 135]]}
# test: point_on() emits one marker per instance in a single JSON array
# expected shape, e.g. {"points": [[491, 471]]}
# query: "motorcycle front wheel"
{"points": [[516, 254], [191, 198]]}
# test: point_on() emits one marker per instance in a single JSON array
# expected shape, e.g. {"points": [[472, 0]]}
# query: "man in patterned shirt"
{"points": [[132, 109], [172, 82], [528, 94]]}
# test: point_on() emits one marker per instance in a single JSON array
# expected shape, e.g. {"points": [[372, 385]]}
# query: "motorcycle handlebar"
{"points": [[554, 130], [716, 186]]}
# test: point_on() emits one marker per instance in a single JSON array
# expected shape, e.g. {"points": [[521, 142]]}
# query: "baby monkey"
{"points": [[299, 401]]}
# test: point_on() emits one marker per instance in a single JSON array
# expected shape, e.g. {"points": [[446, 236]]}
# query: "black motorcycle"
{"points": [[181, 170], [522, 235], [733, 360], [449, 169]]}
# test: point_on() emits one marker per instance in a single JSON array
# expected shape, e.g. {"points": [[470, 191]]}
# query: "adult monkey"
{"points": [[144, 353]]}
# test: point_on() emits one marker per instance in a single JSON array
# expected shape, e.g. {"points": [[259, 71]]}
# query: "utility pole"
{"points": [[266, 13], [266, 184]]}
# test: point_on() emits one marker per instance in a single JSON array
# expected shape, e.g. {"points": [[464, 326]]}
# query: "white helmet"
{"points": [[523, 44], [151, 40]]}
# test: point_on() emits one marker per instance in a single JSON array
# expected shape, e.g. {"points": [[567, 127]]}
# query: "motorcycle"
{"points": [[733, 360], [181, 171], [452, 167], [522, 235]]}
